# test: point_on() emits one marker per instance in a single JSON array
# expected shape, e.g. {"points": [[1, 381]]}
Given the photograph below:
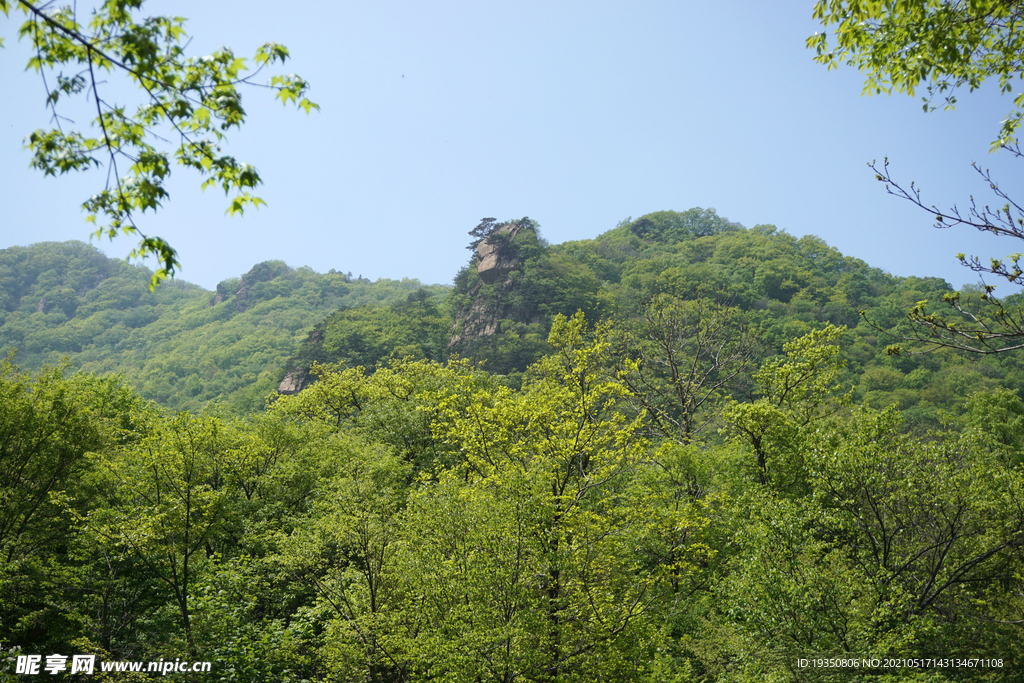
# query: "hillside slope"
{"points": [[182, 346], [503, 301]]}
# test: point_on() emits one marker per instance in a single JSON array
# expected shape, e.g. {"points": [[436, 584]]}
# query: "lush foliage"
{"points": [[184, 347], [196, 99], [415, 327], [426, 521], [181, 346], [726, 474]]}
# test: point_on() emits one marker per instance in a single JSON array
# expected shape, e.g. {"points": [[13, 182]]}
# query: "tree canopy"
{"points": [[427, 521], [709, 472]]}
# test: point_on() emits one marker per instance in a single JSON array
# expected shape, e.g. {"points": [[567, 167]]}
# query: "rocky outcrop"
{"points": [[242, 299], [221, 295], [245, 298], [495, 259], [293, 382], [479, 320], [297, 377]]}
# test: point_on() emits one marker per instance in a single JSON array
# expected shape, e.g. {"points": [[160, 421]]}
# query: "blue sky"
{"points": [[575, 114]]}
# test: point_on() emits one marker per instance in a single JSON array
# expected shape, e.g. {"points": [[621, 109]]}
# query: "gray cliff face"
{"points": [[298, 378], [493, 263], [221, 295], [293, 382], [476, 321]]}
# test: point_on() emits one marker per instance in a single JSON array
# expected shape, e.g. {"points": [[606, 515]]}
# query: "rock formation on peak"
{"points": [[495, 257]]}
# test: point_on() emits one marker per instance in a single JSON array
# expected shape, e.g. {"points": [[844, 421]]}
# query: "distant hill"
{"points": [[182, 346], [500, 308]]}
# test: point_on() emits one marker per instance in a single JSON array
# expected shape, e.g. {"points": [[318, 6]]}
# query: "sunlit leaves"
{"points": [[797, 389], [268, 53], [903, 45], [56, 153], [191, 99], [529, 546], [538, 539], [291, 88]]}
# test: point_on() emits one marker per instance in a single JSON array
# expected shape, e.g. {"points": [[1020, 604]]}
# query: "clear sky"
{"points": [[576, 114]]}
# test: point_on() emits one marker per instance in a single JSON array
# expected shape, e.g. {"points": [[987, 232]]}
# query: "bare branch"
{"points": [[983, 326]]}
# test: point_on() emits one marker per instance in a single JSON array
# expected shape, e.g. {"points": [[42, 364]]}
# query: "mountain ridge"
{"points": [[182, 345], [187, 347]]}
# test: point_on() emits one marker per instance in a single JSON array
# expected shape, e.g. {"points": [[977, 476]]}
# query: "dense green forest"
{"points": [[679, 451], [781, 286], [181, 346]]}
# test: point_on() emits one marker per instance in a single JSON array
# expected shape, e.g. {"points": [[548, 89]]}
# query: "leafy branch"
{"points": [[198, 98], [902, 45]]}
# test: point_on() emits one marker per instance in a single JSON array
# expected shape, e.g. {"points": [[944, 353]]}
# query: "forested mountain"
{"points": [[181, 345], [674, 452], [784, 286]]}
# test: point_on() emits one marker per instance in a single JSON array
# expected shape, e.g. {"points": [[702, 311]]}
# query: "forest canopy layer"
{"points": [[675, 452]]}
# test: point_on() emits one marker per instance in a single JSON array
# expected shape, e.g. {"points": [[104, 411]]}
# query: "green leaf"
{"points": [[198, 98]]}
